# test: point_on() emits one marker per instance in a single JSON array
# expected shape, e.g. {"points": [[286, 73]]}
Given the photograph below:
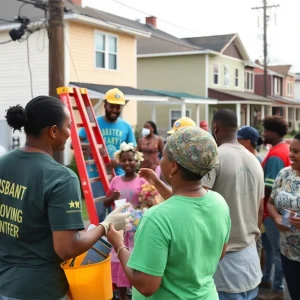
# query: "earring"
{"points": [[170, 175]]}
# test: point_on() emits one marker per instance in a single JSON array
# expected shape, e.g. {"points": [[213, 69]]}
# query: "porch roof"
{"points": [[97, 91], [285, 101], [238, 96], [185, 97]]}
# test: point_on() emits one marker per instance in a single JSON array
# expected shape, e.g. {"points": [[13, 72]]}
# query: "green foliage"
{"points": [[293, 132]]}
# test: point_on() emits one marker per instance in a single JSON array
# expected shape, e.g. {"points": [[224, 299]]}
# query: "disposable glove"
{"points": [[117, 218]]}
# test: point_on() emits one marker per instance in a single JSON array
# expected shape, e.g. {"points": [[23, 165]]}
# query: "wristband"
{"points": [[123, 247]]}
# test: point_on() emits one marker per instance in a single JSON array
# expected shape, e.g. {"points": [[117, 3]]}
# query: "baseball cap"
{"points": [[115, 96], [182, 122], [248, 133], [194, 149]]}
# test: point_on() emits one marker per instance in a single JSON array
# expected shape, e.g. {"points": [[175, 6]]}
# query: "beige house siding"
{"points": [[233, 64], [163, 113], [184, 73], [82, 63]]}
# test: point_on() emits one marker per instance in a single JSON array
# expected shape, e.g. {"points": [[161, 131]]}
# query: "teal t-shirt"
{"points": [[181, 240], [37, 196], [114, 134]]}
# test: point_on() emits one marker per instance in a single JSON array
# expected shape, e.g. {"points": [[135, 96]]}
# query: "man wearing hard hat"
{"points": [[114, 131], [182, 122]]}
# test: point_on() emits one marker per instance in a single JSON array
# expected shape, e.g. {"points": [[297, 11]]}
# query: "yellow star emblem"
{"points": [[72, 204], [77, 204]]}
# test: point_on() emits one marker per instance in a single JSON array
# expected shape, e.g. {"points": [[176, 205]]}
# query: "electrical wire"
{"points": [[20, 8], [29, 67], [6, 42], [164, 21]]}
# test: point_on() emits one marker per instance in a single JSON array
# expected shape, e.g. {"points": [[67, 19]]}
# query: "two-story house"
{"points": [[212, 67], [100, 53], [297, 86], [280, 88]]}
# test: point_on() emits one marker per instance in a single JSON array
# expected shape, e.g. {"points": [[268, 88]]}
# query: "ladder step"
{"points": [[94, 179], [82, 125], [99, 199], [90, 161]]}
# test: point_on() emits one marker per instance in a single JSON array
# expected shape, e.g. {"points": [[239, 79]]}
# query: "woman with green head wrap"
{"points": [[179, 242]]}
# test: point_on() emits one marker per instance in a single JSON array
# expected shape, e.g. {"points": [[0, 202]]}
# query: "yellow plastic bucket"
{"points": [[89, 282]]}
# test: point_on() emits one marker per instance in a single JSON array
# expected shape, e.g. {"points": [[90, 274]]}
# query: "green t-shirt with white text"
{"points": [[181, 240], [37, 196]]}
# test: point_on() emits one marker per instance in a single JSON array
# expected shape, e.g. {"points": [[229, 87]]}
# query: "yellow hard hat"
{"points": [[182, 122], [115, 96]]}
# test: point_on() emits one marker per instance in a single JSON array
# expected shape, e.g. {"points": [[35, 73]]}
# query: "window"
{"points": [[249, 81], [106, 51], [216, 74], [236, 79], [277, 86], [176, 114], [226, 75], [290, 88]]}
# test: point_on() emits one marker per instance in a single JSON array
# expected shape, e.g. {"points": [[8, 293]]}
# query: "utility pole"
{"points": [[265, 7], [56, 52]]}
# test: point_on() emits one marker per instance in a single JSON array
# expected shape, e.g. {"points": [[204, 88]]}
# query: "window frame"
{"points": [[218, 74], [246, 80], [226, 66], [188, 111], [236, 78], [289, 88], [106, 51]]}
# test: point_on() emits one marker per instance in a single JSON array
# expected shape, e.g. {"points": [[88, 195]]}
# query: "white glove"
{"points": [[117, 218]]}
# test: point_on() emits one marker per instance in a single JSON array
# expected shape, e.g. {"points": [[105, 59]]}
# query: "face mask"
{"points": [[145, 132]]}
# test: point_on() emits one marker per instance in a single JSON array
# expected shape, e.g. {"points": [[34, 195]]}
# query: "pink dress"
{"points": [[129, 190]]}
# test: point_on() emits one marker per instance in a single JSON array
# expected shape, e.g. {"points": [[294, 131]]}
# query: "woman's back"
{"points": [[186, 236], [37, 196]]}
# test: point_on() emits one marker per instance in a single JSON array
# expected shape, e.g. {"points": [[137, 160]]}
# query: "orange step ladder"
{"points": [[77, 99]]}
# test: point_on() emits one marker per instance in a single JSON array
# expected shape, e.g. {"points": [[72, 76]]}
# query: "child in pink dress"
{"points": [[127, 186]]}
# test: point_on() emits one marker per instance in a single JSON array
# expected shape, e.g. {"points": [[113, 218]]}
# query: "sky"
{"points": [[201, 17]]}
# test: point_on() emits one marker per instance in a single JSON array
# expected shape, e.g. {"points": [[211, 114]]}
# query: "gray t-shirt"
{"points": [[239, 179]]}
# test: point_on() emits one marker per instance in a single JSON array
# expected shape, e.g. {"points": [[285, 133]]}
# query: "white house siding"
{"points": [[14, 73]]}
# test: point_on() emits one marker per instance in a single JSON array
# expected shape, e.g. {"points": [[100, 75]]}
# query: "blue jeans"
{"points": [[98, 191], [270, 243], [249, 295]]}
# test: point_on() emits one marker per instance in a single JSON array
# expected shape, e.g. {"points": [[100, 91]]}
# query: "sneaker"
{"points": [[265, 285], [272, 296]]}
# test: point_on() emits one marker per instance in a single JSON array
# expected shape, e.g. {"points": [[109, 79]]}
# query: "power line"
{"points": [[6, 42], [167, 22], [265, 7]]}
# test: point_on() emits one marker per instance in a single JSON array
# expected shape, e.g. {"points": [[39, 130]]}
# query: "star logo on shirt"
{"points": [[72, 204]]}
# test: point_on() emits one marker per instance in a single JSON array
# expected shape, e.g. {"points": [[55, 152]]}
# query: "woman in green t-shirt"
{"points": [[40, 206], [179, 242]]}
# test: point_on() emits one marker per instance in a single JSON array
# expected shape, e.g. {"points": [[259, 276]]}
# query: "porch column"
{"points": [[248, 115], [153, 113], [287, 114], [183, 109], [207, 113], [238, 114], [197, 114], [294, 119], [262, 112]]}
